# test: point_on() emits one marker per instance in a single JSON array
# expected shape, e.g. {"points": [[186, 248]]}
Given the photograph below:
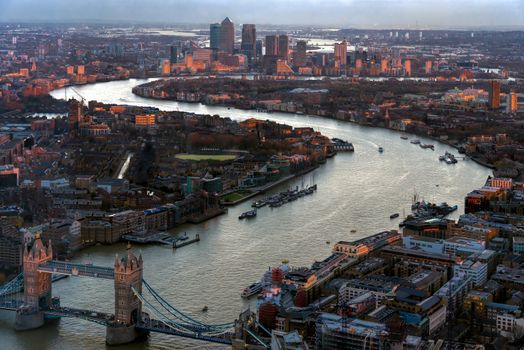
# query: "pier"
{"points": [[162, 238], [340, 145], [178, 244]]}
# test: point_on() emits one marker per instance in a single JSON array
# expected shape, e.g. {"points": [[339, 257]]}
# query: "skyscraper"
{"points": [[249, 38], [299, 57], [173, 54], [341, 51], [214, 36], [283, 47], [428, 66], [407, 67], [494, 94], [75, 114], [384, 65], [258, 49], [272, 45], [227, 36], [512, 102]]}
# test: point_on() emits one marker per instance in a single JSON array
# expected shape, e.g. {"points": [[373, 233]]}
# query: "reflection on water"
{"points": [[355, 191]]}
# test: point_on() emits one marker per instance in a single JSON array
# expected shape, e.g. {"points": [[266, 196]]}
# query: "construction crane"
{"points": [[76, 92]]}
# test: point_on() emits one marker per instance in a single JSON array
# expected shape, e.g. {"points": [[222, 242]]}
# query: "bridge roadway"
{"points": [[10, 304], [102, 318], [153, 325], [72, 269]]}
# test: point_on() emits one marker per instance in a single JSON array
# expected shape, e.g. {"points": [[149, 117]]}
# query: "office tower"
{"points": [[173, 54], [258, 50], [249, 38], [384, 66], [494, 94], [214, 36], [341, 53], [166, 67], [319, 59], [75, 114], [429, 66], [283, 47], [512, 102], [272, 45], [227, 36], [407, 67], [299, 57]]}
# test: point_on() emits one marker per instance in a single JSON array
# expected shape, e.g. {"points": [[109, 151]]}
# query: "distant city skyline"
{"points": [[372, 14]]}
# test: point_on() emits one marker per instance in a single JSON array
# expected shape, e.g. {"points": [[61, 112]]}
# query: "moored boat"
{"points": [[248, 214], [251, 290]]}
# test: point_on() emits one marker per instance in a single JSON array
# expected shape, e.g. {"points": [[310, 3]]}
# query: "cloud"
{"points": [[339, 13]]}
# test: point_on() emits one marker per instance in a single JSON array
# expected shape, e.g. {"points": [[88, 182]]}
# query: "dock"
{"points": [[161, 238], [187, 242]]}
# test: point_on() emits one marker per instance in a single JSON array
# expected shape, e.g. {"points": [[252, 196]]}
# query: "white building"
{"points": [[427, 244], [379, 288], [510, 325], [455, 290], [477, 270], [458, 245]]}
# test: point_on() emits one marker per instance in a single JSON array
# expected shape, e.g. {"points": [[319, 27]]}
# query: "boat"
{"points": [[353, 231], [328, 242], [253, 289], [424, 146], [259, 204], [396, 215], [449, 158], [380, 149], [184, 237], [248, 214], [205, 308], [403, 137], [415, 141]]}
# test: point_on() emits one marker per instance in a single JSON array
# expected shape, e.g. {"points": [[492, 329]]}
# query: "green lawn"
{"points": [[231, 197], [197, 157]]}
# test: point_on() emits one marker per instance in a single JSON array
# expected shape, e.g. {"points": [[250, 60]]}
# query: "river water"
{"points": [[355, 191]]}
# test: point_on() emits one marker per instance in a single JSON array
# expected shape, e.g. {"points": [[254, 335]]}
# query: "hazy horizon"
{"points": [[372, 14]]}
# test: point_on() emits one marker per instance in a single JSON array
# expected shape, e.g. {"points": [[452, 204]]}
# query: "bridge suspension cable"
{"points": [[190, 330], [13, 286], [179, 314]]}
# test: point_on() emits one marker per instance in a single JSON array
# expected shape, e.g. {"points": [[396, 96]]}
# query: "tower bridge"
{"points": [[136, 312]]}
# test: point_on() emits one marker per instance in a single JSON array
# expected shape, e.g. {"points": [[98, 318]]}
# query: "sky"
{"points": [[380, 14]]}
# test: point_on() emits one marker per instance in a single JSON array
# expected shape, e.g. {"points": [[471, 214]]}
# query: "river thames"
{"points": [[355, 191]]}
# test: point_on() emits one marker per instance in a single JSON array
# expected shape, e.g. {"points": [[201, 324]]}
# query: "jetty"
{"points": [[162, 238]]}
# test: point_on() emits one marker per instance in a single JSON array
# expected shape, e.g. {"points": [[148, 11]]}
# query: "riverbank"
{"points": [[267, 187], [269, 111]]}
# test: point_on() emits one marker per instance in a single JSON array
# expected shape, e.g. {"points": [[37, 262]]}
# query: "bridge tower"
{"points": [[37, 285], [128, 308]]}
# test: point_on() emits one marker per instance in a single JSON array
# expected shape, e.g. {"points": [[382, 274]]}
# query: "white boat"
{"points": [[415, 141], [253, 289]]}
